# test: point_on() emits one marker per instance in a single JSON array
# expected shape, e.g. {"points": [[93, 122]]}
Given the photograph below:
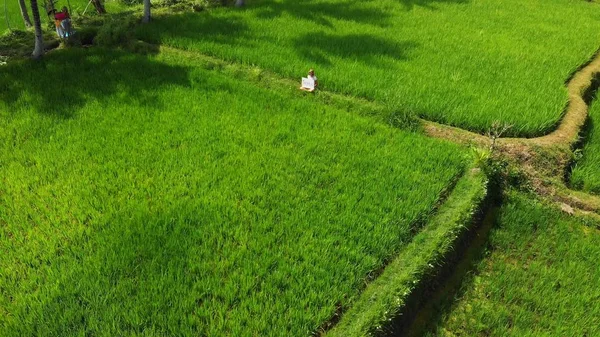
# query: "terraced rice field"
{"points": [[539, 277], [464, 63], [190, 189], [185, 202]]}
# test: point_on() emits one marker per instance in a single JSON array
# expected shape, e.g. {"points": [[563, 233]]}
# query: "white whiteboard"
{"points": [[308, 83]]}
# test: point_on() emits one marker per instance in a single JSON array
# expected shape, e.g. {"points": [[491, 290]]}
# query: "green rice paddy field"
{"points": [[157, 195], [183, 202], [540, 278], [460, 62]]}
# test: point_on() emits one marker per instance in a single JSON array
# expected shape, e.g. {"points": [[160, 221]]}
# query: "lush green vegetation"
{"points": [[586, 173], [145, 197], [15, 20], [193, 190], [460, 62], [388, 296], [540, 278]]}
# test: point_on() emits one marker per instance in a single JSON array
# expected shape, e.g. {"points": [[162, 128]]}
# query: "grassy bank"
{"points": [[465, 63], [140, 197], [394, 295], [586, 173], [539, 277]]}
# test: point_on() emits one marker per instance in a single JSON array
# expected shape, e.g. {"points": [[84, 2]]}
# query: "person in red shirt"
{"points": [[62, 20], [61, 15]]}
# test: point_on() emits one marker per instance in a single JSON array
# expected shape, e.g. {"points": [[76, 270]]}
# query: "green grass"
{"points": [[460, 62], [15, 19], [586, 173], [144, 197], [540, 278], [388, 297]]}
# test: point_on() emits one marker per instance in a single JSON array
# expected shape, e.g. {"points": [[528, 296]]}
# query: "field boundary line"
{"points": [[388, 301], [567, 131], [544, 160]]}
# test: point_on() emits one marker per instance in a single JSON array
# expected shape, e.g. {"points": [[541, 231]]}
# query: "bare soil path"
{"points": [[544, 160]]}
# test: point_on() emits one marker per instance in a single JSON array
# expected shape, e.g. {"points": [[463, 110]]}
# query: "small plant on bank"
{"points": [[489, 159], [500, 171], [496, 131]]}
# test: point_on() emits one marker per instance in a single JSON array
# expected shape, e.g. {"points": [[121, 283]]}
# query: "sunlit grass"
{"points": [[140, 197], [540, 278], [461, 62]]}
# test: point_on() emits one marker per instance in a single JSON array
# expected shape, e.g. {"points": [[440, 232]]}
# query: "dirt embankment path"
{"points": [[568, 130], [546, 159]]}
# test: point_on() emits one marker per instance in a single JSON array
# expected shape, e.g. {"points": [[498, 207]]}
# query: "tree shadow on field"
{"points": [[429, 4], [322, 12], [65, 81], [318, 47], [135, 273], [195, 27]]}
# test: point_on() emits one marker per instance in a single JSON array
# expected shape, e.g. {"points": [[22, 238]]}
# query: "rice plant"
{"points": [[139, 197]]}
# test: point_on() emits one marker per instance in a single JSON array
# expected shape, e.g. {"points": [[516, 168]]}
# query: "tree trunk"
{"points": [[24, 13], [239, 3], [99, 6], [146, 17], [39, 41]]}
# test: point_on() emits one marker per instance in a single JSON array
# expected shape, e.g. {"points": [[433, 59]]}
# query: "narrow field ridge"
{"points": [[545, 159], [567, 132], [526, 151], [387, 304]]}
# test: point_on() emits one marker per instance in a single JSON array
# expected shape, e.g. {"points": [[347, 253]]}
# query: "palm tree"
{"points": [[38, 51], [24, 13], [146, 17]]}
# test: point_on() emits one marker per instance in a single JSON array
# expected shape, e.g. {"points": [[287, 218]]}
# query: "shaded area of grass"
{"points": [[455, 62], [321, 48], [323, 13], [193, 27], [77, 7], [19, 43], [64, 84], [429, 4], [539, 278], [444, 291], [586, 172], [179, 201]]}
